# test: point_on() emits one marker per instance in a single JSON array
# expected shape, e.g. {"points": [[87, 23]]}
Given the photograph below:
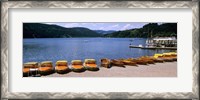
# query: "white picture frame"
{"points": [[6, 5]]}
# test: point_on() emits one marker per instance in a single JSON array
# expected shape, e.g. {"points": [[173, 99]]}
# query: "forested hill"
{"points": [[37, 30], [148, 30]]}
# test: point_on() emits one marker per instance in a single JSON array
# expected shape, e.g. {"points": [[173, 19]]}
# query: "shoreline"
{"points": [[166, 69]]}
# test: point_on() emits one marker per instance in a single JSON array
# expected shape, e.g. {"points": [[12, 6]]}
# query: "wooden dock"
{"points": [[167, 48]]}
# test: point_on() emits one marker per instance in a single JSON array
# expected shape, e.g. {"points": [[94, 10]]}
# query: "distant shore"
{"points": [[167, 69]]}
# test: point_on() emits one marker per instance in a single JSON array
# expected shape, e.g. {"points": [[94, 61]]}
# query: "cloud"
{"points": [[71, 25], [117, 25], [94, 24], [125, 27], [101, 28], [49, 23], [160, 23]]}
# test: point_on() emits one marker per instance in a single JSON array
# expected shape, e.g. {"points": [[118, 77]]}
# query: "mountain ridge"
{"points": [[38, 30], [148, 30]]}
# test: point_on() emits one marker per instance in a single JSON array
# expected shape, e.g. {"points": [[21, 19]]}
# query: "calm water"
{"points": [[82, 48]]}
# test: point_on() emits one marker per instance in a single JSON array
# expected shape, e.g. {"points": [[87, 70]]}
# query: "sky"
{"points": [[103, 26]]}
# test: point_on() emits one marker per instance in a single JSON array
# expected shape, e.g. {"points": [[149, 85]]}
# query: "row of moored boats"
{"points": [[62, 66]]}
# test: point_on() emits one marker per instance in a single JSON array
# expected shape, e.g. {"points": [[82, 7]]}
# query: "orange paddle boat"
{"points": [[27, 68], [46, 68], [62, 67], [90, 64], [77, 66]]}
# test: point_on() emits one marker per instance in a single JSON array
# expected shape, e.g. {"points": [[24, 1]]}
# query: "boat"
{"points": [[30, 68], [46, 68], [26, 72], [138, 61], [156, 60], [170, 56], [118, 63], [90, 64], [162, 57], [128, 62], [145, 59], [77, 66], [174, 55], [105, 62], [62, 67]]}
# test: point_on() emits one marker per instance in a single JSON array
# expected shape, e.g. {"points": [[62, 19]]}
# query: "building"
{"points": [[161, 42]]}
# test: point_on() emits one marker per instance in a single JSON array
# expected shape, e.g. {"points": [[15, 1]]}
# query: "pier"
{"points": [[141, 47]]}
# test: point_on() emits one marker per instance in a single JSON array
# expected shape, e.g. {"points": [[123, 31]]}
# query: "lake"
{"points": [[53, 49]]}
